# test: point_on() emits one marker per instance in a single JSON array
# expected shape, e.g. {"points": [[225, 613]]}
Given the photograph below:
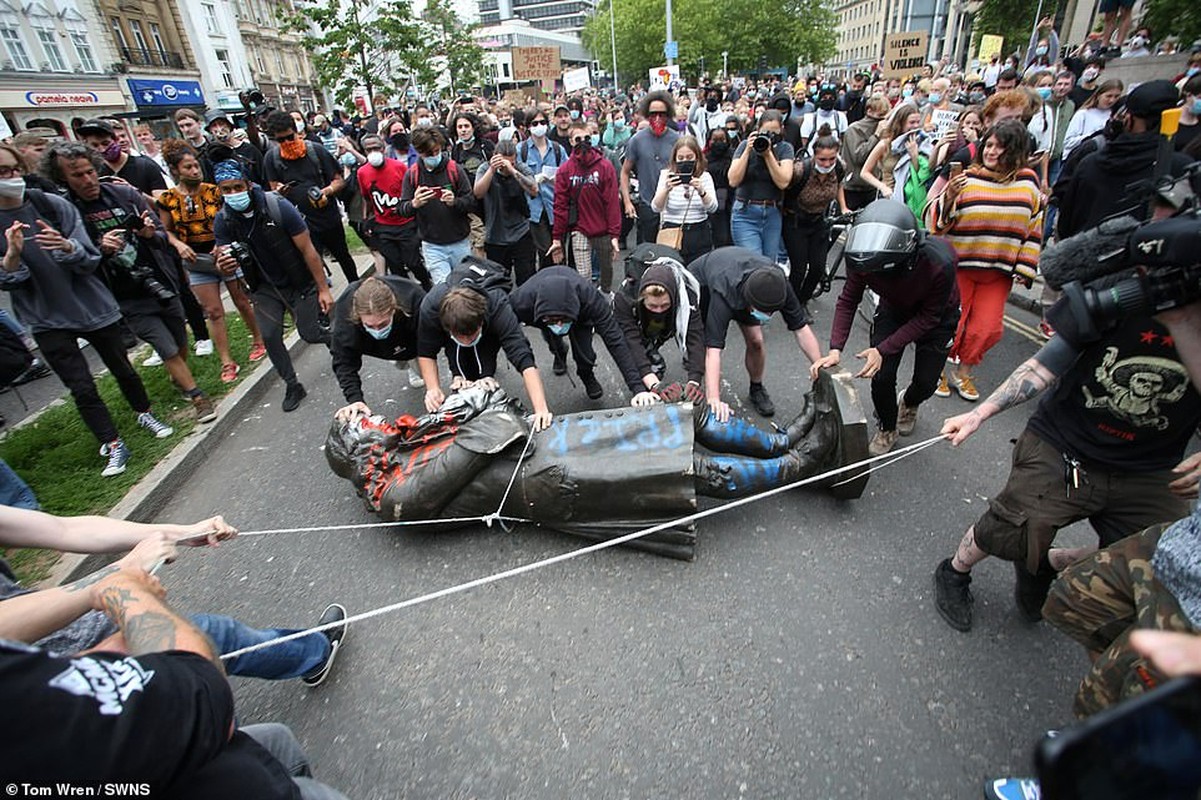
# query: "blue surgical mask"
{"points": [[1196, 106], [478, 335], [1191, 71], [1041, 50], [1044, 92], [574, 114], [238, 201], [935, 98], [619, 124], [906, 92], [595, 139], [432, 162], [379, 333], [558, 328], [348, 160], [760, 316]]}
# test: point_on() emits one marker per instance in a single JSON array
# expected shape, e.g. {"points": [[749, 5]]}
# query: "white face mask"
{"points": [[375, 158], [12, 188], [1089, 75], [538, 130], [824, 170], [424, 122]]}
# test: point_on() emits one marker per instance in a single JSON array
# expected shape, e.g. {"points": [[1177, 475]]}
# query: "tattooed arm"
{"points": [[30, 617], [94, 534], [1024, 383], [133, 600]]}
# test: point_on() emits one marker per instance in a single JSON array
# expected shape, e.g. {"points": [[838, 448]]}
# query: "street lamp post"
{"points": [[725, 61], [613, 42], [670, 60]]}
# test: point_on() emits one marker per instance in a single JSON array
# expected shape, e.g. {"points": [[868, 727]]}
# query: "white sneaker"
{"points": [[204, 347], [154, 361], [415, 379], [82, 343]]}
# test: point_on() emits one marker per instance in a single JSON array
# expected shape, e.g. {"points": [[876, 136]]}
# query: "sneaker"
{"points": [[82, 343], [592, 386], [155, 360], [882, 442], [229, 372], [966, 387], [953, 597], [415, 379], [1030, 591], [1045, 329], [560, 365], [1012, 789], [257, 351], [761, 400], [205, 411], [160, 430], [37, 369], [944, 388], [906, 416], [204, 347], [118, 456], [332, 613], [292, 397]]}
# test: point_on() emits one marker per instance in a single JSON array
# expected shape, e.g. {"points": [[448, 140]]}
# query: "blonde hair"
{"points": [[372, 297], [654, 290]]}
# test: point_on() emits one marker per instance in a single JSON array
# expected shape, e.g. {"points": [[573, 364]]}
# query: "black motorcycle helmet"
{"points": [[885, 237]]}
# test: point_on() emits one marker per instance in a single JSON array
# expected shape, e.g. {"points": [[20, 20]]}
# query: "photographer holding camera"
{"points": [[761, 171], [136, 264], [264, 235]]}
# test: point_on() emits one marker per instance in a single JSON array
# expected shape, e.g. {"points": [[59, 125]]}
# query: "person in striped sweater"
{"points": [[992, 215]]}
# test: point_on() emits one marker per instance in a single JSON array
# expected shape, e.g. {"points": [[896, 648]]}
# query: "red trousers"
{"points": [[982, 296]]}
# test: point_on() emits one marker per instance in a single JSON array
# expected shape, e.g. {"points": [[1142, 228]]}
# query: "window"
{"points": [[210, 18], [83, 49], [54, 54], [279, 64], [157, 35], [15, 45], [119, 33], [258, 56], [296, 63], [227, 77], [139, 38]]}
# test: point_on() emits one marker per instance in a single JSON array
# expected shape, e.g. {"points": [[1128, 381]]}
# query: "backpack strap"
{"points": [[273, 209], [46, 209]]}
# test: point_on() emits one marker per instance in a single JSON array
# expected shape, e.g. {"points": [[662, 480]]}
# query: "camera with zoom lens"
{"points": [[240, 252], [252, 98], [762, 142], [316, 198], [143, 276]]}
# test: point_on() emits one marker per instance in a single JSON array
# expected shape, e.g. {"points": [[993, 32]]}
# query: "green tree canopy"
{"points": [[1013, 19], [350, 50], [746, 29], [1180, 18], [451, 47]]}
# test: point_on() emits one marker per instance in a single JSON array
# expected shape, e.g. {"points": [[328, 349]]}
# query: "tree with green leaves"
{"points": [[1179, 18], [782, 32], [350, 49], [450, 47], [1013, 19]]}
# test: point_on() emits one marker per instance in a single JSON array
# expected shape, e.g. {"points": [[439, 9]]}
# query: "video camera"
{"points": [[1125, 267]]}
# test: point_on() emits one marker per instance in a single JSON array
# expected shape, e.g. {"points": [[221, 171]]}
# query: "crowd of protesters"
{"points": [[484, 217]]}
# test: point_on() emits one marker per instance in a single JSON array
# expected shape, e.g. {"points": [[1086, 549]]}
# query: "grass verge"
{"points": [[59, 458]]}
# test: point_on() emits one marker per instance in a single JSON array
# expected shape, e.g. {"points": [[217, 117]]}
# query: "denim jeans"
{"points": [[279, 741], [440, 259], [1053, 170], [756, 228], [280, 662], [14, 491]]}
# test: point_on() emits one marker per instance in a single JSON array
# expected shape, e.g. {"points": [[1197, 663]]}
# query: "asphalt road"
{"points": [[799, 656]]}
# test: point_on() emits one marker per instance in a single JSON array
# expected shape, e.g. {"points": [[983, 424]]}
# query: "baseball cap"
{"points": [[96, 126], [1152, 98]]}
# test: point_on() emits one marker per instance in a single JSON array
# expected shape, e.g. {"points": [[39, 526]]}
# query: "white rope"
{"points": [[900, 455], [367, 525], [593, 548], [495, 515]]}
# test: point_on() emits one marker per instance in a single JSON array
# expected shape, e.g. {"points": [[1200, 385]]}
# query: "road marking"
{"points": [[1021, 328]]}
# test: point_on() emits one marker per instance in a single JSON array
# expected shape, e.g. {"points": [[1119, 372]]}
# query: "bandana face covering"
{"points": [[292, 150]]}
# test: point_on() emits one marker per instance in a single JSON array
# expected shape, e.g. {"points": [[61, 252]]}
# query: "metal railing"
{"points": [[151, 58]]}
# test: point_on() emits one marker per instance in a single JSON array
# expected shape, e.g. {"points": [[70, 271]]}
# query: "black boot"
{"points": [[800, 426]]}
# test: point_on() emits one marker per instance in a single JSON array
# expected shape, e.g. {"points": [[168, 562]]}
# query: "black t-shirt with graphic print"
{"points": [[162, 719], [1126, 404]]}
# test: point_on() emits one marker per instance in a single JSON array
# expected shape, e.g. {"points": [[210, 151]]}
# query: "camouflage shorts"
{"points": [[1098, 602]]}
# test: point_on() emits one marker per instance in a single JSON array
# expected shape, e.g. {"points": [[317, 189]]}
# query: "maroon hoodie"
{"points": [[589, 182]]}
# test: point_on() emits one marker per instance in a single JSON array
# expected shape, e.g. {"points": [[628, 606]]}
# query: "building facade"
{"points": [[499, 40], [53, 69], [278, 64], [212, 27], [861, 27], [564, 16]]}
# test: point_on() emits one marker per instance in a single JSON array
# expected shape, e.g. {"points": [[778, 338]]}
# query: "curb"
{"points": [[149, 495]]}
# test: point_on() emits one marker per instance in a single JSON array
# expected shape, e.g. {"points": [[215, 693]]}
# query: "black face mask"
{"points": [[400, 142], [826, 104], [582, 148], [719, 148], [711, 105]]}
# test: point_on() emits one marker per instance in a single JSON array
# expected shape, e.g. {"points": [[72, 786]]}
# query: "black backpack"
{"points": [[643, 256], [480, 274]]}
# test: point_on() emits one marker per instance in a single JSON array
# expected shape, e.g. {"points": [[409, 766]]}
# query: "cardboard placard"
{"points": [[535, 63], [520, 98], [663, 77], [904, 54], [944, 120], [990, 45], [575, 80]]}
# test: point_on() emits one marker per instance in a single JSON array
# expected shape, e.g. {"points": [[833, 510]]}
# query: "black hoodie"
{"points": [[563, 292], [1099, 186], [350, 342], [501, 329], [641, 326]]}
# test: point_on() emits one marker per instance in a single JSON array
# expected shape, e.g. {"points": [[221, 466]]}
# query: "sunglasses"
{"points": [[657, 114]]}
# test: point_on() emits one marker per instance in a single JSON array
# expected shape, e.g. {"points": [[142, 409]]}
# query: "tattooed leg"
{"points": [[968, 555]]}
